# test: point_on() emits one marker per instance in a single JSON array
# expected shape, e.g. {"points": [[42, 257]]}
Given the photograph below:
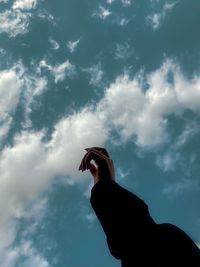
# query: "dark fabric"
{"points": [[133, 236]]}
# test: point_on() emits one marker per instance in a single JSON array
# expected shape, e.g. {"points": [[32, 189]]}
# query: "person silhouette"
{"points": [[131, 233]]}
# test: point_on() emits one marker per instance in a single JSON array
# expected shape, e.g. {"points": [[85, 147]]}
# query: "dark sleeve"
{"points": [[124, 217]]}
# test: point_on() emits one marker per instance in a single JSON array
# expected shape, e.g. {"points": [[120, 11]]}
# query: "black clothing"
{"points": [[133, 236]]}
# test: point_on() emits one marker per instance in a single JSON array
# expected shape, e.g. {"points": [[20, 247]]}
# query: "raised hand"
{"points": [[104, 168]]}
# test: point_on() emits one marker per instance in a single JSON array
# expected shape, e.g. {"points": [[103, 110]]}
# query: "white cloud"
{"points": [[14, 83], [128, 109], [14, 22], [156, 19], [54, 45], [59, 71], [24, 4], [72, 45], [29, 167], [35, 87], [102, 13], [136, 113], [3, 1], [11, 85]]}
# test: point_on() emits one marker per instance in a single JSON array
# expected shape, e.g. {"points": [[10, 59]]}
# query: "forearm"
{"points": [[121, 214]]}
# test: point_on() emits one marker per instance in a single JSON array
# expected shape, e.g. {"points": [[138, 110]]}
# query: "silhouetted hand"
{"points": [[104, 168]]}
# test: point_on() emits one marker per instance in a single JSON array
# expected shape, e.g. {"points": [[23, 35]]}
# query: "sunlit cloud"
{"points": [[11, 79], [60, 156], [24, 4], [14, 22], [142, 115]]}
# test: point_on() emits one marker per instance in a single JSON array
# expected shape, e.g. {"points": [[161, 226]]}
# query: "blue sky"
{"points": [[121, 74]]}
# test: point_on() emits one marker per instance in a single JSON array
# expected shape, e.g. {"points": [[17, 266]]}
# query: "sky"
{"points": [[120, 74]]}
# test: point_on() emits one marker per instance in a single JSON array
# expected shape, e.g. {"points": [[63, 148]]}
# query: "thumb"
{"points": [[93, 169]]}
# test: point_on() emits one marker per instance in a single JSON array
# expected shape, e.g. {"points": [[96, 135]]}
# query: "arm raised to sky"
{"points": [[124, 217]]}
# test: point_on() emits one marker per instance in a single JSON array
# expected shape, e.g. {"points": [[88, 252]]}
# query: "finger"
{"points": [[93, 154], [100, 149], [111, 169], [98, 153], [81, 166], [93, 169]]}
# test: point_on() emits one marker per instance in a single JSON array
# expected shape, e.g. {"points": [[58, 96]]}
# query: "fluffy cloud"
{"points": [[142, 114], [9, 80], [29, 167], [24, 4], [14, 83], [14, 22]]}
